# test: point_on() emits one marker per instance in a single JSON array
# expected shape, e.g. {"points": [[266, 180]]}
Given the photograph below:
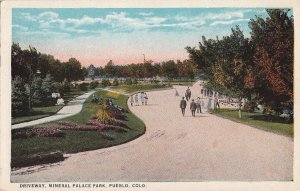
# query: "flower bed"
{"points": [[41, 131]]}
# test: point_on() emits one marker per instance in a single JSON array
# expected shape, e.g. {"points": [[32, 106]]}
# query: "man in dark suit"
{"points": [[193, 107], [183, 106]]}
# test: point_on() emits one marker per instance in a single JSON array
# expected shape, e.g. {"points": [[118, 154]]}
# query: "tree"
{"points": [[225, 61], [47, 88], [37, 94], [272, 75], [19, 97]]}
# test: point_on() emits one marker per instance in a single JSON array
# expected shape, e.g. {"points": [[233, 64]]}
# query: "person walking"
{"points": [[193, 107], [131, 100], [188, 94], [198, 104], [146, 98], [142, 97], [217, 105], [136, 97], [183, 106]]}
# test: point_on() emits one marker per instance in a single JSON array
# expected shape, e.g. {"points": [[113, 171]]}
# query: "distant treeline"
{"points": [[27, 62], [169, 69]]}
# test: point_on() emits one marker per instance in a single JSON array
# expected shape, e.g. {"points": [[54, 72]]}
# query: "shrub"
{"points": [[19, 98], [83, 86], [104, 116], [94, 84], [128, 81], [115, 82], [250, 106], [105, 83], [35, 159], [66, 85], [47, 88], [134, 81]]}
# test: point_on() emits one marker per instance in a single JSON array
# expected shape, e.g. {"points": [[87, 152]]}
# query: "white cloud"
{"points": [[146, 13], [228, 22], [122, 21], [20, 28]]}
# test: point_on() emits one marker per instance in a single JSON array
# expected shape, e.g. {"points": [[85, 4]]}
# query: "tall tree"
{"points": [[272, 75]]}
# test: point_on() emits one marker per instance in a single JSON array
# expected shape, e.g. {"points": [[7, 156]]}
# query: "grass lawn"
{"points": [[78, 141], [137, 87], [259, 120], [41, 112]]}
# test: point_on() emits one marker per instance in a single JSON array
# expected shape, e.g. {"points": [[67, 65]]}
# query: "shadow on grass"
{"points": [[268, 118]]}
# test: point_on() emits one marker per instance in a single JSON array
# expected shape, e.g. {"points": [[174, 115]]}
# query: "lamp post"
{"points": [[31, 75]]}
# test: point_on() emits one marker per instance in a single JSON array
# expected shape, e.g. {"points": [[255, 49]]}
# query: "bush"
{"points": [[48, 87], [134, 81], [250, 106], [83, 86], [115, 82], [36, 92], [105, 83], [128, 81], [66, 85], [94, 84], [19, 98], [35, 159]]}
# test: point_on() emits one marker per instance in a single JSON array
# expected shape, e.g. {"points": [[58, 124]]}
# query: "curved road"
{"points": [[72, 108], [177, 148]]}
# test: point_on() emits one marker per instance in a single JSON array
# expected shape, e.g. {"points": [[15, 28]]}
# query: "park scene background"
{"points": [[92, 60]]}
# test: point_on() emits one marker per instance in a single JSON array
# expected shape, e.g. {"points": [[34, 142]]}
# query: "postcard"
{"points": [[149, 95]]}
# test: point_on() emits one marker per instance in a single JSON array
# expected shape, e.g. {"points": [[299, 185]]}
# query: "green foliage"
{"points": [[104, 114], [272, 75], [250, 106], [128, 81], [83, 86], [115, 82], [105, 83], [134, 81], [47, 88], [26, 62], [261, 65], [37, 94], [19, 97], [66, 86], [94, 84]]}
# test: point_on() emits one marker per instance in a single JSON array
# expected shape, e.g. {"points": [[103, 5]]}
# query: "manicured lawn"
{"points": [[259, 120], [138, 87], [77, 140], [41, 112], [37, 113]]}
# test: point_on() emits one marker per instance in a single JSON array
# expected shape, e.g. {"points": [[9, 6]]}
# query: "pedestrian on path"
{"points": [[136, 99], [176, 92], [146, 98], [142, 97], [198, 104], [183, 106], [193, 107], [131, 100], [188, 94]]}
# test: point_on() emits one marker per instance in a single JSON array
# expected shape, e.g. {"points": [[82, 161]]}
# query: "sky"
{"points": [[97, 35]]}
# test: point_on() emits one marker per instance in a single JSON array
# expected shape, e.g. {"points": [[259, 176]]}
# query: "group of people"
{"points": [[194, 105], [143, 98]]}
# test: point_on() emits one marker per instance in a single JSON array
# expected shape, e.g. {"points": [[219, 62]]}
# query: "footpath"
{"points": [[72, 108]]}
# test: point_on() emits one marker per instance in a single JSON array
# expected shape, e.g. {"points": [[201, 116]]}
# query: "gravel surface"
{"points": [[177, 148]]}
